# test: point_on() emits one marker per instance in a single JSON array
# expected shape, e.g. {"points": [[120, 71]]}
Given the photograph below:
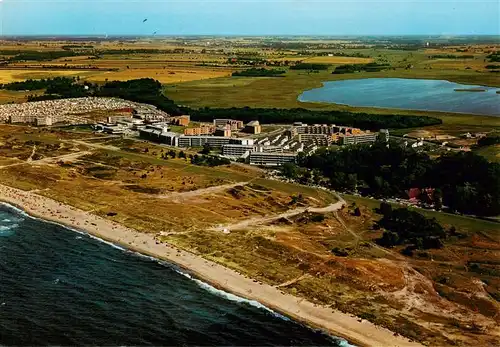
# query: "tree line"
{"points": [[309, 66], [350, 68], [450, 56], [41, 56], [256, 72], [279, 115], [494, 57], [464, 182], [489, 140]]}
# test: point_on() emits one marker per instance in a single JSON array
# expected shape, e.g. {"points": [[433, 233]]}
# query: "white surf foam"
{"points": [[8, 227], [230, 296], [201, 284]]}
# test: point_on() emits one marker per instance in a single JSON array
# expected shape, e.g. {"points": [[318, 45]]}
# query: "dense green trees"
{"points": [[350, 68], [489, 140], [57, 87], [208, 160], [464, 182], [405, 226], [54, 85], [41, 56], [309, 66], [450, 56], [277, 115], [259, 72], [494, 57], [469, 183], [206, 149], [145, 90]]}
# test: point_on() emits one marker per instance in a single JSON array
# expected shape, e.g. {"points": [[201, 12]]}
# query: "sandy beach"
{"points": [[357, 331]]}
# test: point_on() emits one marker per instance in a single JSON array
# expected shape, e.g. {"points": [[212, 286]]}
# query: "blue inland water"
{"points": [[60, 287], [411, 94]]}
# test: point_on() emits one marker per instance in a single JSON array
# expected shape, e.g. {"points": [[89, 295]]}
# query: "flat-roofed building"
{"points": [[202, 130], [169, 138], [233, 123], [352, 139], [319, 139], [200, 141], [270, 149], [253, 127], [236, 151], [223, 131], [271, 159], [43, 121], [180, 120], [153, 131]]}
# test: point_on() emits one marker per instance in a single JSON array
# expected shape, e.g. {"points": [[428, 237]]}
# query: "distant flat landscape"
{"points": [[402, 93]]}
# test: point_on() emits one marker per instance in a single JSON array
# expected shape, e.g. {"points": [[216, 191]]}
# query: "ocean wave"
{"points": [[109, 243], [8, 227], [201, 284], [230, 296], [24, 213]]}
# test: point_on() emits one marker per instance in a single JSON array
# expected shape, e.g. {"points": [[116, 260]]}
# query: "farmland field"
{"points": [[7, 76]]}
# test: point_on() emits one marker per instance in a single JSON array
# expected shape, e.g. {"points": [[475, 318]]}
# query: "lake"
{"points": [[413, 94]]}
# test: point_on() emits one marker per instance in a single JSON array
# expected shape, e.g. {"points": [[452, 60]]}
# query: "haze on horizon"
{"points": [[249, 17]]}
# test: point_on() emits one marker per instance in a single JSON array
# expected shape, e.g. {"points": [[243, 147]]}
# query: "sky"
{"points": [[250, 17]]}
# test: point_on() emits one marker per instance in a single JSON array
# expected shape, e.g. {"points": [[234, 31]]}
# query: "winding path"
{"points": [[290, 213]]}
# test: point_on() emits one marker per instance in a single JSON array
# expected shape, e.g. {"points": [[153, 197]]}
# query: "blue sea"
{"points": [[411, 94], [61, 287]]}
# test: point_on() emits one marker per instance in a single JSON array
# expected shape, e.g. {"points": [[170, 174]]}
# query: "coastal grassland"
{"points": [[127, 178], [334, 259]]}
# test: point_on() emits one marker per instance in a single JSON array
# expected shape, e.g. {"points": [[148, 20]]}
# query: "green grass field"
{"points": [[492, 153]]}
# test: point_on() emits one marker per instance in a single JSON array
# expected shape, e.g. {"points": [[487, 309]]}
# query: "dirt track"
{"points": [[182, 196], [290, 213]]}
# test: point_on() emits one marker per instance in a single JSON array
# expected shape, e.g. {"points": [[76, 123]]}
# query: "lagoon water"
{"points": [[414, 94], [60, 287]]}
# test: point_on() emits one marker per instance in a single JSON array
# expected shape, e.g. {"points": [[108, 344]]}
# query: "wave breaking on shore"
{"points": [[206, 286]]}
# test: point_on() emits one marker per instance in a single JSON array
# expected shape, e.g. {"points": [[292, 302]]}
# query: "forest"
{"points": [[258, 72], [276, 115], [309, 66], [406, 226], [41, 56], [350, 68], [461, 181], [450, 56]]}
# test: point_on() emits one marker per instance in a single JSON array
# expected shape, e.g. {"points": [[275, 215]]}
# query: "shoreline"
{"points": [[354, 330]]}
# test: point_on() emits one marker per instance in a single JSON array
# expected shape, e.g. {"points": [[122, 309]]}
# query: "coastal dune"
{"points": [[357, 331]]}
